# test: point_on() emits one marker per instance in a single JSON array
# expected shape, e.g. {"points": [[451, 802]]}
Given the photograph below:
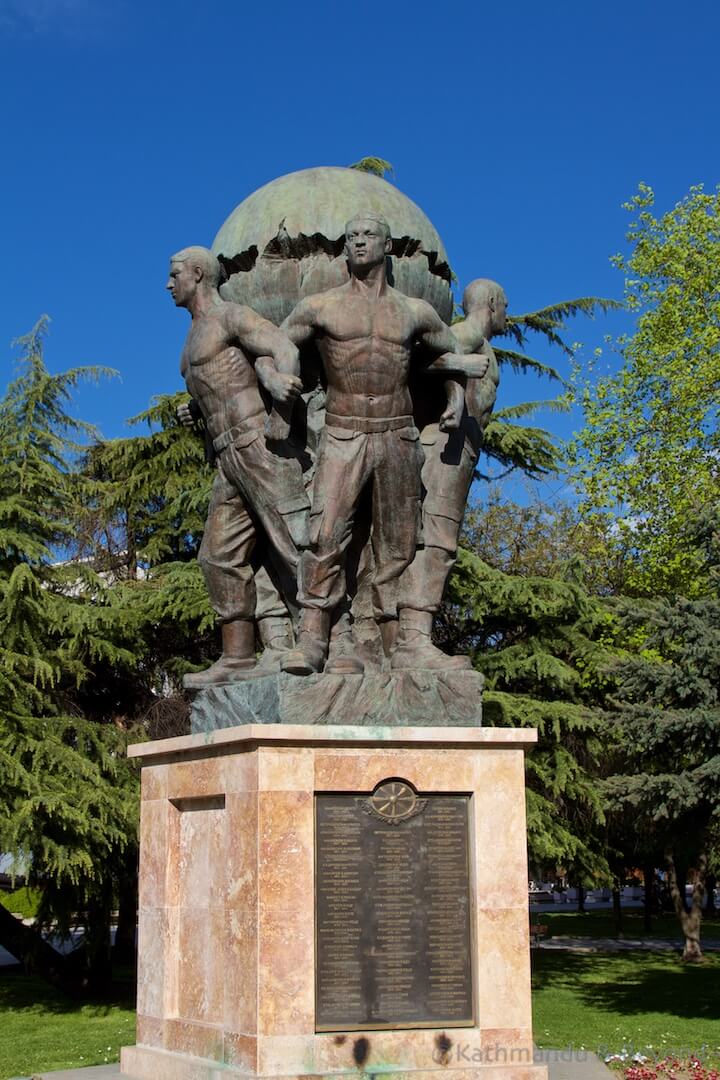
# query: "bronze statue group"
{"points": [[306, 533]]}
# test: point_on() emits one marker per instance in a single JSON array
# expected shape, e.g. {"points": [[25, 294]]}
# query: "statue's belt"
{"points": [[368, 425], [232, 434]]}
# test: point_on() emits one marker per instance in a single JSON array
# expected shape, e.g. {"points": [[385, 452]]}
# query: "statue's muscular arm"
{"points": [[472, 340], [280, 375], [432, 331], [450, 352], [276, 358], [302, 322], [439, 339]]}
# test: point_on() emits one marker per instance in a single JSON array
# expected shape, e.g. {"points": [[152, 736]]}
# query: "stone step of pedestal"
{"points": [[90, 1072], [562, 1065]]}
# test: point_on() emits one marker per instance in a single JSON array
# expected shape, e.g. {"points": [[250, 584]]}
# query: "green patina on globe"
{"points": [[285, 241]]}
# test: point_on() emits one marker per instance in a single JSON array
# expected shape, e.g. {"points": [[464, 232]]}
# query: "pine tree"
{"points": [[68, 794], [542, 643], [666, 721], [145, 521]]}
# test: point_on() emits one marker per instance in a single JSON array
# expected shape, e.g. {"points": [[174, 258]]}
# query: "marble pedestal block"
{"points": [[226, 981]]}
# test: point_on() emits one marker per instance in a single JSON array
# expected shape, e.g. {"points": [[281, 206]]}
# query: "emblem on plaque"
{"points": [[394, 801]]}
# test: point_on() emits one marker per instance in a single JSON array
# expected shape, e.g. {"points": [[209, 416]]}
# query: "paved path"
{"points": [[562, 1065], [590, 945], [575, 1065], [558, 941]]}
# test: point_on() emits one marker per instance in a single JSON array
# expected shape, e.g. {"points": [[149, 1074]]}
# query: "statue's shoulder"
{"points": [[324, 302], [423, 311], [331, 296], [230, 313]]}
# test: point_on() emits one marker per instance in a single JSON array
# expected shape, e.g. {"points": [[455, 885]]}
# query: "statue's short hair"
{"points": [[370, 217], [480, 292], [203, 257]]}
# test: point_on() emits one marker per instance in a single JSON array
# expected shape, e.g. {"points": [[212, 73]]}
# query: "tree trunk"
{"points": [[649, 886], [125, 934], [617, 909], [710, 885], [97, 939], [131, 557], [690, 921], [34, 953], [581, 899]]}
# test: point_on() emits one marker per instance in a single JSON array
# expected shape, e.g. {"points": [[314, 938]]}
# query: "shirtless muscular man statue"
{"points": [[450, 463], [257, 495], [366, 332]]}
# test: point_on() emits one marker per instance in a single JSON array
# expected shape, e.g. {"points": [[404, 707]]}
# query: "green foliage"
{"points": [[149, 501], [649, 451], [665, 768], [145, 496], [540, 644], [37, 435], [68, 793], [667, 711], [516, 446], [550, 322], [375, 165], [24, 902]]}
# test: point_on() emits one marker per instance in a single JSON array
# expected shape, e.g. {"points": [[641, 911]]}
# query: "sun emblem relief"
{"points": [[394, 801]]}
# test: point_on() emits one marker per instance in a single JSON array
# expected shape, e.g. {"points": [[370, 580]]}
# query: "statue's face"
{"points": [[182, 282], [366, 243]]}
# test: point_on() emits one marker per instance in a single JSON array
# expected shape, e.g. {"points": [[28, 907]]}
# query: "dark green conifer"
{"points": [[666, 720]]}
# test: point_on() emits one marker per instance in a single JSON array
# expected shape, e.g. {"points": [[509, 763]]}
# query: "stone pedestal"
{"points": [[226, 983]]}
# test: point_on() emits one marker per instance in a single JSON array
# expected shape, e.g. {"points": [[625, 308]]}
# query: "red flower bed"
{"points": [[671, 1069]]}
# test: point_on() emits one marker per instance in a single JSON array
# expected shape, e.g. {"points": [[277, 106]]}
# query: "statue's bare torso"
{"points": [[366, 343], [218, 374]]}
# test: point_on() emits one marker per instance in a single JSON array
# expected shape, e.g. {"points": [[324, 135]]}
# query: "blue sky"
{"points": [[133, 129]]}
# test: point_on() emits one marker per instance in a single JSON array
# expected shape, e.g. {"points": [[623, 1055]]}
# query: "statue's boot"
{"points": [[309, 654], [388, 635], [277, 639], [237, 661], [343, 658], [414, 648]]}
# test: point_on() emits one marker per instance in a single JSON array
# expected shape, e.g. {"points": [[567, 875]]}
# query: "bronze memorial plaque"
{"points": [[392, 910]]}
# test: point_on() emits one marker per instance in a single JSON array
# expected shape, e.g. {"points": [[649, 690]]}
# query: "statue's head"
{"points": [[191, 269], [367, 241], [486, 296]]}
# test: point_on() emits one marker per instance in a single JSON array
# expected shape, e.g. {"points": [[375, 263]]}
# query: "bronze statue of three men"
{"points": [[280, 535]]}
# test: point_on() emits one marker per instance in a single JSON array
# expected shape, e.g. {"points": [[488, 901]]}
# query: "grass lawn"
{"points": [[604, 1002], [642, 1002], [41, 1029], [602, 924]]}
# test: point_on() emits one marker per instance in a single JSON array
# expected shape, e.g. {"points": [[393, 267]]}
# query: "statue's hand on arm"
{"points": [[453, 412], [261, 338], [277, 366], [284, 388], [474, 365], [281, 385], [440, 339], [284, 383], [188, 413]]}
